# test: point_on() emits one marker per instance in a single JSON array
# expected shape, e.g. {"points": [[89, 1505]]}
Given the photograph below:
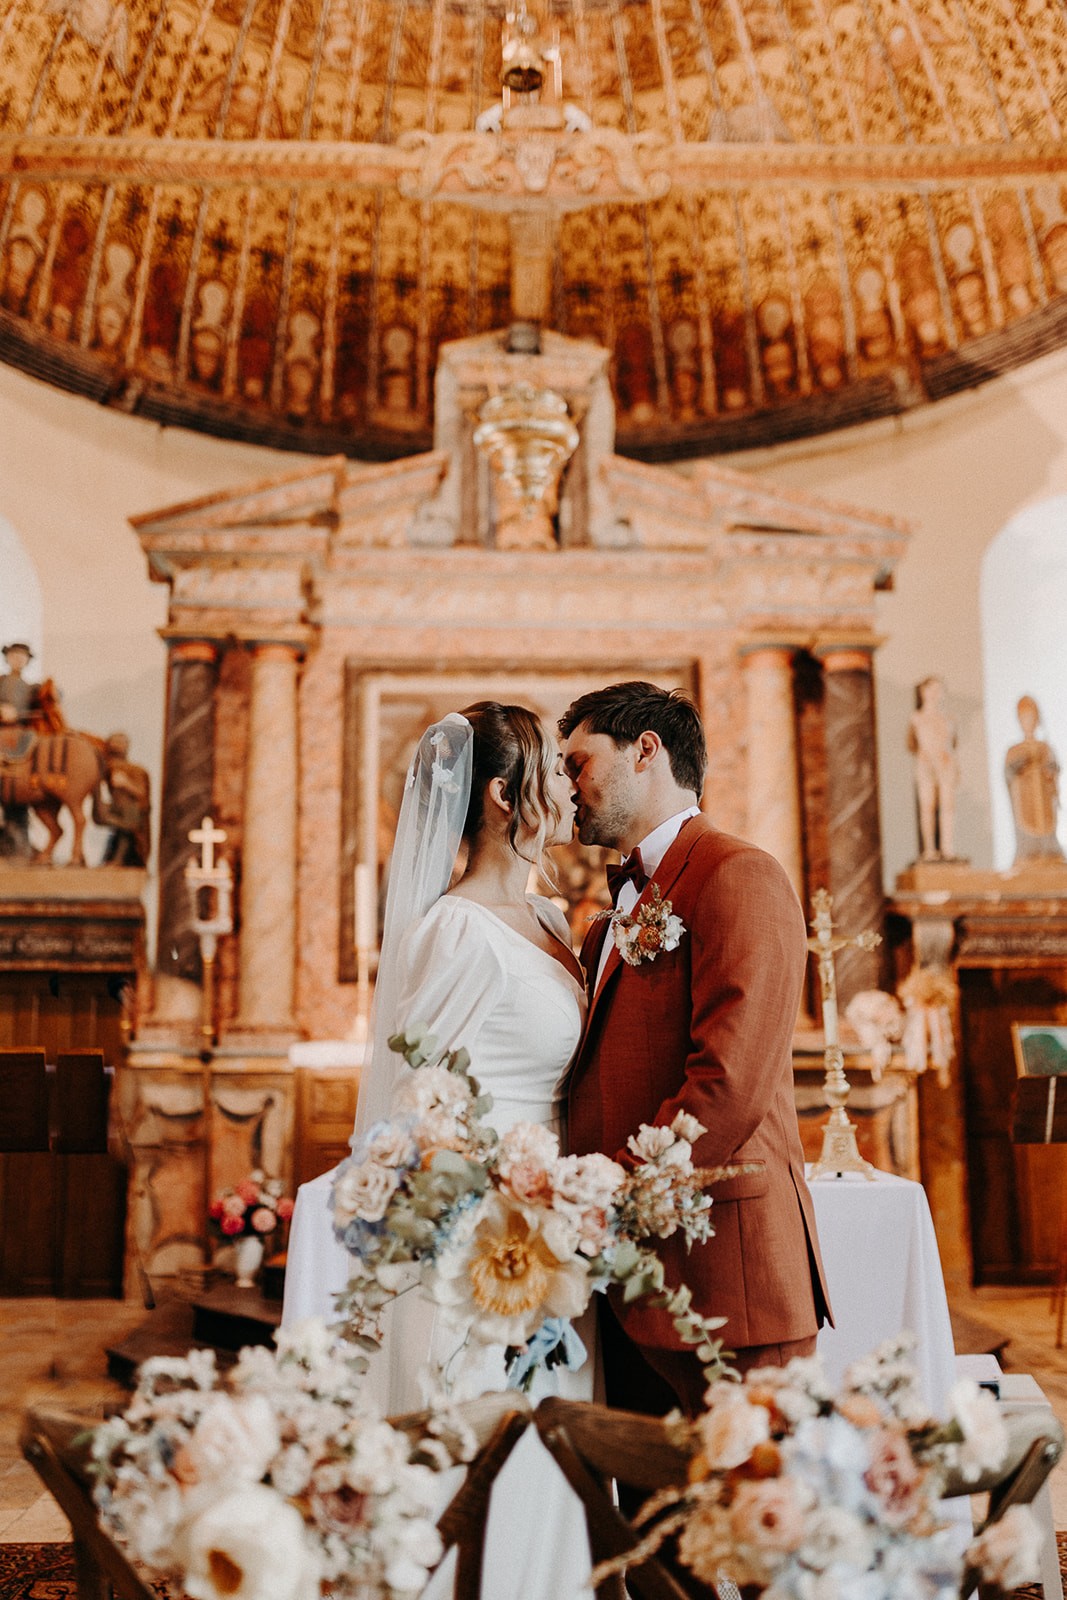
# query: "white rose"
{"points": [[687, 1127], [985, 1438], [592, 1180], [249, 1545], [732, 1429], [527, 1141], [235, 1438], [393, 1147], [651, 1142], [432, 1086], [834, 1537], [364, 1191]]}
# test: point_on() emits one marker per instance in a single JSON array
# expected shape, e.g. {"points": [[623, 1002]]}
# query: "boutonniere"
{"points": [[641, 934]]}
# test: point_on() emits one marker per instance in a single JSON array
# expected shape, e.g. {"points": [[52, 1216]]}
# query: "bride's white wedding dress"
{"points": [[472, 980]]}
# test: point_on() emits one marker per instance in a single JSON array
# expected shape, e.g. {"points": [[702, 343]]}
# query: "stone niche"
{"points": [[318, 619]]}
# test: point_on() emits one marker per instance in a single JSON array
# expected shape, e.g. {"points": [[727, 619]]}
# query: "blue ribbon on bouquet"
{"points": [[555, 1338]]}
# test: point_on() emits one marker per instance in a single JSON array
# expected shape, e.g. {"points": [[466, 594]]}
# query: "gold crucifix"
{"points": [[840, 1153]]}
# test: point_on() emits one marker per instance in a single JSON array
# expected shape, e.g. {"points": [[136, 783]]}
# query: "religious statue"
{"points": [[932, 741], [122, 803], [1032, 774], [17, 697], [17, 702]]}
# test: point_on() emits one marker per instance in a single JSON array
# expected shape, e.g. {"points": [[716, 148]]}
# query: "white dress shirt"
{"points": [[653, 848]]}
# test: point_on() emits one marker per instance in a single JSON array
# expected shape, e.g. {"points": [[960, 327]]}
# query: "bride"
{"points": [[489, 967]]}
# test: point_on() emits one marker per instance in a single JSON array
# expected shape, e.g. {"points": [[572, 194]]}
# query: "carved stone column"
{"points": [[773, 795], [853, 823], [268, 861], [188, 776]]}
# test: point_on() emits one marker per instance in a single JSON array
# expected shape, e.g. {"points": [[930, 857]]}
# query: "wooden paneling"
{"points": [[1014, 1189], [325, 1116], [60, 1011]]}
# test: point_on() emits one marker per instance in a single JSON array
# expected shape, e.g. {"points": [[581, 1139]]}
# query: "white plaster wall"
{"points": [[71, 472], [959, 471]]}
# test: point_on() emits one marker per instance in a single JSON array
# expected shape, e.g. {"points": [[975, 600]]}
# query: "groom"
{"points": [[706, 1028]]}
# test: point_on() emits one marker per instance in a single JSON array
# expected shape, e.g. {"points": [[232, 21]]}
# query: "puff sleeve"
{"points": [[451, 978]]}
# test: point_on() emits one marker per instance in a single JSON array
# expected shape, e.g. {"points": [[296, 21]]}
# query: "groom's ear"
{"points": [[647, 746]]}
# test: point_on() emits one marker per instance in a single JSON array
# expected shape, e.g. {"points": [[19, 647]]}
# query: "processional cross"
{"points": [[840, 1153], [210, 885]]}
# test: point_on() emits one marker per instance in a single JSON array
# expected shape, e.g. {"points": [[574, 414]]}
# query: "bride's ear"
{"points": [[497, 803]]}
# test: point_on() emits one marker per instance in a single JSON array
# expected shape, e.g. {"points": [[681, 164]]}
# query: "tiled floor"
{"points": [[52, 1354]]}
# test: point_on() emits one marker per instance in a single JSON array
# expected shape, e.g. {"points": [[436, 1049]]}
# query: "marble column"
{"points": [[853, 823], [267, 964], [773, 792], [188, 777]]}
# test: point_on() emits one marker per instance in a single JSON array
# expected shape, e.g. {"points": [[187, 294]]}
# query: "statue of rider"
{"points": [[18, 701]]}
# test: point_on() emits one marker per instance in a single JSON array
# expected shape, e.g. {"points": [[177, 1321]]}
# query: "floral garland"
{"points": [[795, 1493], [510, 1235], [274, 1481]]}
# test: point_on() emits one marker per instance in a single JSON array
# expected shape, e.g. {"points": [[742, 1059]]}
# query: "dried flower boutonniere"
{"points": [[641, 934]]}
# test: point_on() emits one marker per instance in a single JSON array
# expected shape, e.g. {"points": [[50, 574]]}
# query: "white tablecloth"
{"points": [[884, 1274]]}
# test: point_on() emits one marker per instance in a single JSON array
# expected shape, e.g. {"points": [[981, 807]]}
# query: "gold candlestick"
{"points": [[840, 1152]]}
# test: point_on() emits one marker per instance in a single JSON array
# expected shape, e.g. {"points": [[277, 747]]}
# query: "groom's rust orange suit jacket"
{"points": [[708, 1028]]}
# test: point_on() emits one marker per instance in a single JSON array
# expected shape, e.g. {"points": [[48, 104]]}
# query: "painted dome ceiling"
{"points": [[261, 218]]}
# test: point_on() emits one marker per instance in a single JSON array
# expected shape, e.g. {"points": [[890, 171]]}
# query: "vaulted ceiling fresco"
{"points": [[261, 218]]}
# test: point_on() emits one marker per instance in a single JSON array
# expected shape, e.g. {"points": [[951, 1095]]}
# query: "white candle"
{"points": [[366, 907]]}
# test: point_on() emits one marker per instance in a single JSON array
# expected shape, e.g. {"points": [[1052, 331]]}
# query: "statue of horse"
{"points": [[56, 770]]}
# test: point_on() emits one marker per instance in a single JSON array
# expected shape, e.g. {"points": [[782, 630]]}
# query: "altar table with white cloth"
{"points": [[884, 1274]]}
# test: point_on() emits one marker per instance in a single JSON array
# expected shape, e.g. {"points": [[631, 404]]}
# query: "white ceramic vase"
{"points": [[247, 1258]]}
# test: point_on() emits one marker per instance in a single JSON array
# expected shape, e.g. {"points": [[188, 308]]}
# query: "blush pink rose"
{"points": [[767, 1515], [248, 1191], [894, 1477], [285, 1208], [529, 1182], [263, 1219]]}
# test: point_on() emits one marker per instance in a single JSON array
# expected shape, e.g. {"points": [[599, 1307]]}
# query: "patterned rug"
{"points": [[46, 1572], [43, 1572]]}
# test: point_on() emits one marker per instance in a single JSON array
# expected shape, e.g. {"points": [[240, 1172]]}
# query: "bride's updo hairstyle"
{"points": [[510, 743]]}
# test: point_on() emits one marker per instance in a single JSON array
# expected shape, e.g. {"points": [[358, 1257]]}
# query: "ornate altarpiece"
{"points": [[317, 619]]}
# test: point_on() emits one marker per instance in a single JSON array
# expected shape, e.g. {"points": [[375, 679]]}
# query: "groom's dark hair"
{"points": [[624, 711]]}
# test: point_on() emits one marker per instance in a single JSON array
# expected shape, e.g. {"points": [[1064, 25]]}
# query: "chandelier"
{"points": [[528, 437]]}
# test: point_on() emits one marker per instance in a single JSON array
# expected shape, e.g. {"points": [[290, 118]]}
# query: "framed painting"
{"points": [[1040, 1049]]}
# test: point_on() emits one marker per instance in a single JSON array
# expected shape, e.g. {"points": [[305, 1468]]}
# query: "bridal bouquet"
{"points": [[274, 1482], [511, 1236], [794, 1492]]}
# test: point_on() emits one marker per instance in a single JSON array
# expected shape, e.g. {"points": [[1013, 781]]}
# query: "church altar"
{"points": [[318, 620]]}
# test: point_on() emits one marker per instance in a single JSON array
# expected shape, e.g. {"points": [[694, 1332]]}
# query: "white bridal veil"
{"points": [[428, 837]]}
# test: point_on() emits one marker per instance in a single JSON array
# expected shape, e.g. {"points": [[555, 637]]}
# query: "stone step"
{"points": [[232, 1318], [168, 1331], [223, 1318]]}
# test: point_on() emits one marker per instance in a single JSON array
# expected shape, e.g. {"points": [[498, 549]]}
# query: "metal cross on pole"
{"points": [[840, 1153]]}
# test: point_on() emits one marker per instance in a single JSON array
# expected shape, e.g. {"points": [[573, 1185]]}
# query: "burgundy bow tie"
{"points": [[632, 870]]}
